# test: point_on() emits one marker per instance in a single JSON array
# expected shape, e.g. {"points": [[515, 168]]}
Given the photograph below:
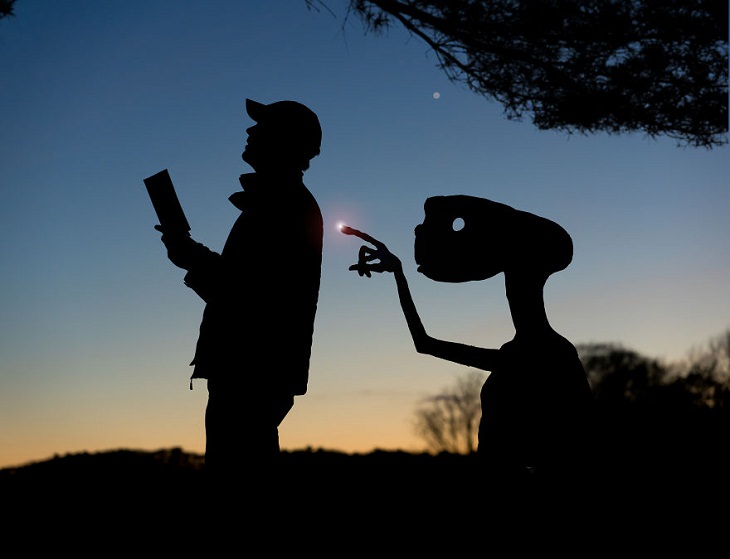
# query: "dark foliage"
{"points": [[655, 66], [6, 8], [622, 378], [659, 423]]}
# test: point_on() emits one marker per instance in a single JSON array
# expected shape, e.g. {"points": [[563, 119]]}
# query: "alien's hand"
{"points": [[378, 259]]}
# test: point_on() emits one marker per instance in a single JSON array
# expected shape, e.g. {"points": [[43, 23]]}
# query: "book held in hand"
{"points": [[166, 203]]}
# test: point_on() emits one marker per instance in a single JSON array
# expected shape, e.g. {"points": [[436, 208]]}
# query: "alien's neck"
{"points": [[527, 306]]}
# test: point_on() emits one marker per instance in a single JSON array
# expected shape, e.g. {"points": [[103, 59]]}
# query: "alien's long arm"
{"points": [[468, 355], [381, 260]]}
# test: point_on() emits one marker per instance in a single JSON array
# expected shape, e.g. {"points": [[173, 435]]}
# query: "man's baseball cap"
{"points": [[299, 122]]}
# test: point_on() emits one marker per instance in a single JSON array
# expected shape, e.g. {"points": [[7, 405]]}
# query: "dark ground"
{"points": [[390, 503]]}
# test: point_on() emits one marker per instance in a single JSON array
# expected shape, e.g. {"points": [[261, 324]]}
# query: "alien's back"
{"points": [[537, 406]]}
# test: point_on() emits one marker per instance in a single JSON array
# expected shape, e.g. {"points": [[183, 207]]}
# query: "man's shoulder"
{"points": [[308, 201]]}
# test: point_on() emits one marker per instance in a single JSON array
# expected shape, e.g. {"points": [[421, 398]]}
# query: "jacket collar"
{"points": [[256, 185]]}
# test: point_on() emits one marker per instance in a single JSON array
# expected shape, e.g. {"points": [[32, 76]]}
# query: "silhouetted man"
{"points": [[261, 295]]}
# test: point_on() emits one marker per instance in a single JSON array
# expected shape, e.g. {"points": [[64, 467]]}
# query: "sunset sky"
{"points": [[97, 326]]}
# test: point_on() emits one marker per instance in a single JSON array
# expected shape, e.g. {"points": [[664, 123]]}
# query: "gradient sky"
{"points": [[97, 326]]}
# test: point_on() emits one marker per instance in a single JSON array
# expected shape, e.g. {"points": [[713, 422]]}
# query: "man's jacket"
{"points": [[261, 291]]}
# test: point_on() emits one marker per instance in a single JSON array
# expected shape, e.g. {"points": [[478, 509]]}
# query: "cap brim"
{"points": [[255, 109]]}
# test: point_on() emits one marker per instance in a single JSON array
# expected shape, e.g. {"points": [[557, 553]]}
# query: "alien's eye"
{"points": [[458, 224]]}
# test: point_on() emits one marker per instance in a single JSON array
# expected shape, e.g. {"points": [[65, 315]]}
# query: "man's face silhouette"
{"points": [[286, 135], [261, 147]]}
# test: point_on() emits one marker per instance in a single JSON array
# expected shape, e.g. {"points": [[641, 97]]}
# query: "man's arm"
{"points": [[204, 266]]}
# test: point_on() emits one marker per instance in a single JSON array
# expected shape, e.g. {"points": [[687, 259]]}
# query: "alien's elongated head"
{"points": [[466, 238]]}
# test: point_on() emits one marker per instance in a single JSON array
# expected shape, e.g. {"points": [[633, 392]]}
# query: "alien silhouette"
{"points": [[536, 401]]}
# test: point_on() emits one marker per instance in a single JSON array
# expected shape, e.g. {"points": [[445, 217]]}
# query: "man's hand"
{"points": [[387, 261], [180, 247]]}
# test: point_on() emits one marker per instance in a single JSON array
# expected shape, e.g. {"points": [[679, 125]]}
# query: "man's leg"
{"points": [[242, 437]]}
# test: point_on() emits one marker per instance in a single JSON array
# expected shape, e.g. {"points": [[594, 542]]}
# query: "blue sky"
{"points": [[98, 328]]}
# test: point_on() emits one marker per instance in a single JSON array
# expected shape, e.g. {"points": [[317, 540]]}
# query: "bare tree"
{"points": [[449, 421], [712, 359], [654, 66], [705, 373]]}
